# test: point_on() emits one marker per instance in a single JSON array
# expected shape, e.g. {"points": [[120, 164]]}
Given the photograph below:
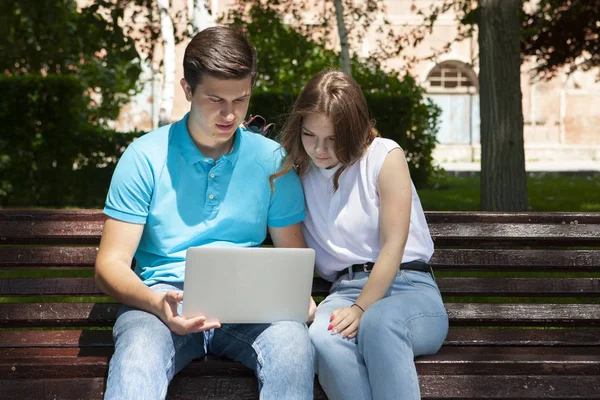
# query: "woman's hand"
{"points": [[345, 321]]}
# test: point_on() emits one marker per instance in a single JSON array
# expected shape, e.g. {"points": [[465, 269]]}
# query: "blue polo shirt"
{"points": [[185, 199]]}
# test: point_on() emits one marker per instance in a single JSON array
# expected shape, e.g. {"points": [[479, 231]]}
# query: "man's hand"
{"points": [[311, 311], [345, 321], [181, 326]]}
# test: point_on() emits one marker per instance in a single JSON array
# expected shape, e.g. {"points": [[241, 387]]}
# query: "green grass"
{"points": [[546, 193]]}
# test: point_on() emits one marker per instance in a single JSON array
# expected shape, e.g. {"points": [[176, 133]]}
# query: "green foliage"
{"points": [[556, 33], [287, 61], [563, 33], [53, 37], [50, 155]]}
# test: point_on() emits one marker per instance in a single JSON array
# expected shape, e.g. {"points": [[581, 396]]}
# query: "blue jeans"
{"points": [[148, 355], [379, 362]]}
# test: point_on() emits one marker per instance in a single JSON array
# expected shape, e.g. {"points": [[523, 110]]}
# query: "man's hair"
{"points": [[338, 97], [219, 52]]}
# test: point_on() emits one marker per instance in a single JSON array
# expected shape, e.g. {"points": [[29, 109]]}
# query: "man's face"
{"points": [[218, 107]]}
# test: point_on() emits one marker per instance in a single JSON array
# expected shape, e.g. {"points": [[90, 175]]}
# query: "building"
{"points": [[560, 121]]}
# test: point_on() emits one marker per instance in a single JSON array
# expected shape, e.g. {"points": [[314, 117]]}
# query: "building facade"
{"points": [[560, 120]]}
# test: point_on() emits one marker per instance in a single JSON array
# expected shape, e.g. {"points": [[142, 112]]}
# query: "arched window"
{"points": [[453, 86], [452, 77]]}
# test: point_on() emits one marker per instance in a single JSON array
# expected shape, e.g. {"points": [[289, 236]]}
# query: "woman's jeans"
{"points": [[379, 362], [148, 355]]}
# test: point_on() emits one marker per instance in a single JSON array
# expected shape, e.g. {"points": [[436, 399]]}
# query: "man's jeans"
{"points": [[378, 363], [148, 355]]}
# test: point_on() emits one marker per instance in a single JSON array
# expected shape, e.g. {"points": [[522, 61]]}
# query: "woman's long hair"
{"points": [[337, 96]]}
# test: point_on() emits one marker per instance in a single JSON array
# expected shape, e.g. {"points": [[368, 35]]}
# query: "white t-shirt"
{"points": [[343, 226]]}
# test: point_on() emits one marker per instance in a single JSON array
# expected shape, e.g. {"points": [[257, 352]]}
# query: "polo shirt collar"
{"points": [[189, 150]]}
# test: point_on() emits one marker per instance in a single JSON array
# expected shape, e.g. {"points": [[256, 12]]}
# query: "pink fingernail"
{"points": [[330, 327]]}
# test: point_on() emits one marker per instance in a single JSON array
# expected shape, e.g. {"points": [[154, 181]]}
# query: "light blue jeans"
{"points": [[379, 363], [148, 355]]}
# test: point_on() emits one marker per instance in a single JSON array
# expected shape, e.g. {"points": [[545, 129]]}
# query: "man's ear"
{"points": [[187, 89]]}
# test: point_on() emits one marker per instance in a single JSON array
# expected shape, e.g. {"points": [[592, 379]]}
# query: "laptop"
{"points": [[248, 285]]}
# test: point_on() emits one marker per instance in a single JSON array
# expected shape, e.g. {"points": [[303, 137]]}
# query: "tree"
{"points": [[156, 25], [556, 34], [52, 37], [503, 178], [343, 34], [288, 58], [561, 34], [168, 63], [350, 20], [199, 16]]}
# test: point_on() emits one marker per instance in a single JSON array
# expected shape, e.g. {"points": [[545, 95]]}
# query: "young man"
{"points": [[200, 181]]}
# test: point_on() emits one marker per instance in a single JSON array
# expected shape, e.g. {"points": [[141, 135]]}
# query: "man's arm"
{"points": [[288, 236], [291, 236], [115, 277]]}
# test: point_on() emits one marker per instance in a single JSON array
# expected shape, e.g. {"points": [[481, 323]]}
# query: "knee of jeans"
{"points": [[322, 339], [142, 339], [288, 342], [378, 319]]}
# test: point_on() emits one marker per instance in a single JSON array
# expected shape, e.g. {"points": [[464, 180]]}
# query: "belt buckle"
{"points": [[364, 267]]}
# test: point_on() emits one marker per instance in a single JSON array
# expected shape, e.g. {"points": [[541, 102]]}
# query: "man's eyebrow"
{"points": [[220, 98]]}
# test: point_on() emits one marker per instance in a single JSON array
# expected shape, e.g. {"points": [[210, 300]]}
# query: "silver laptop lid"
{"points": [[248, 285]]}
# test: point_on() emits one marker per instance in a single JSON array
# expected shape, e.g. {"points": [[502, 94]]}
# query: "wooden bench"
{"points": [[522, 291]]}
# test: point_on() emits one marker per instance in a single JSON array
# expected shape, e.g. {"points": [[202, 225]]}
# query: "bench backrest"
{"points": [[493, 269]]}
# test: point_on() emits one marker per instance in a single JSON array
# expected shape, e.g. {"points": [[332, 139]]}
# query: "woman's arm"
{"points": [[395, 195]]}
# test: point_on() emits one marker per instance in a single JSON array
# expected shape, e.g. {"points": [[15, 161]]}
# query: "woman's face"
{"points": [[318, 139]]}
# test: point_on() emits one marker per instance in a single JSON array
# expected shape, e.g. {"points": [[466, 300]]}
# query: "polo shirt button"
{"points": [[211, 196], [212, 175], [206, 160]]}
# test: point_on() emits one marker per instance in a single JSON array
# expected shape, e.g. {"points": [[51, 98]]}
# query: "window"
{"points": [[452, 77]]}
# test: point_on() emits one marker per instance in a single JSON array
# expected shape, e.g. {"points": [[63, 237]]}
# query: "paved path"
{"points": [[572, 166]]}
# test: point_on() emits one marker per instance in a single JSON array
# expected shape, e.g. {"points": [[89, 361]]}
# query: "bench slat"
{"points": [[432, 216], [47, 232], [509, 387], [48, 256], [85, 226], [235, 388], [57, 314], [56, 338], [519, 314], [88, 232], [443, 259], [501, 314], [516, 260], [31, 361], [469, 234], [456, 337], [551, 287]]}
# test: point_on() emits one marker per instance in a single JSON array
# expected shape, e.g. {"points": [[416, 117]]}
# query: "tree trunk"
{"points": [[199, 16], [503, 178], [168, 82], [345, 51]]}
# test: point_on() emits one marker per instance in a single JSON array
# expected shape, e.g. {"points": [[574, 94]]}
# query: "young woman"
{"points": [[367, 226]]}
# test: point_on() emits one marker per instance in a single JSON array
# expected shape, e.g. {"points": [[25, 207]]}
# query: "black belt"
{"points": [[368, 267]]}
